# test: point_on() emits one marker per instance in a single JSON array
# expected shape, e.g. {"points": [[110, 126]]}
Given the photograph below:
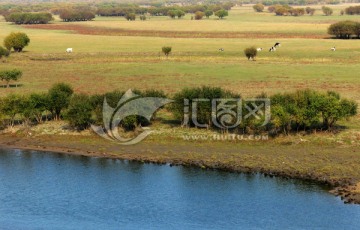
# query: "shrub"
{"points": [[37, 104], [79, 111], [11, 106], [250, 53], [29, 18], [327, 10], [16, 41], [221, 13], [10, 75], [281, 11], [308, 110], [58, 99], [130, 17], [208, 13], [310, 11], [204, 113], [142, 17], [166, 50], [4, 52], [199, 15], [297, 11], [344, 29], [258, 7], [71, 15]]}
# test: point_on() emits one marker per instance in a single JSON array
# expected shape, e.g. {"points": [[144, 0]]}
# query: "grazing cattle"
{"points": [[221, 49], [333, 48], [69, 50], [272, 49], [277, 44], [259, 49]]}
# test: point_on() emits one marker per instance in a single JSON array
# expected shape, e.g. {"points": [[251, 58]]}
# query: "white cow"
{"points": [[69, 50], [259, 49], [333, 48]]}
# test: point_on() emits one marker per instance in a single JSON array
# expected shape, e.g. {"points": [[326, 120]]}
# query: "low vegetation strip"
{"points": [[87, 30]]}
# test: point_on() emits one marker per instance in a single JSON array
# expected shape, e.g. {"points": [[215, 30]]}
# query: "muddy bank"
{"points": [[313, 163]]}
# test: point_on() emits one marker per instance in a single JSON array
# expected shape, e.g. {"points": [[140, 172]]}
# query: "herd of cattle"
{"points": [[272, 49]]}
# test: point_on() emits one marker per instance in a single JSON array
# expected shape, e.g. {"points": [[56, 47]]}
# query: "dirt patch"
{"points": [[87, 30]]}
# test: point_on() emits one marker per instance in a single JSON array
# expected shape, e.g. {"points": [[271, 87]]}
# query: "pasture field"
{"points": [[103, 61]]}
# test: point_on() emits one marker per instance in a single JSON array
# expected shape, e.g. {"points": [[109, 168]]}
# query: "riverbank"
{"points": [[332, 164]]}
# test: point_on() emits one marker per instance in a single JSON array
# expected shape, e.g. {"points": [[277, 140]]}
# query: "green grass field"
{"points": [[101, 63]]}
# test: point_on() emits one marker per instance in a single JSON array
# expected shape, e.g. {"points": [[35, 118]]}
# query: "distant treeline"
{"points": [[120, 10], [304, 110]]}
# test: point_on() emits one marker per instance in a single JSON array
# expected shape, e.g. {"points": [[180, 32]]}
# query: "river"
{"points": [[56, 191]]}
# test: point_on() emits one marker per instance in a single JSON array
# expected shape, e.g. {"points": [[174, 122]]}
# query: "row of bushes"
{"points": [[120, 10], [70, 15], [345, 29], [29, 18], [284, 10], [290, 112]]}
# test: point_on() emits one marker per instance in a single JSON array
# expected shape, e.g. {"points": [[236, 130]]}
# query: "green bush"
{"points": [[130, 17], [199, 15], [10, 75], [204, 115], [4, 52], [344, 29], [16, 41], [327, 10], [250, 53], [208, 13], [258, 7], [79, 111], [166, 50], [221, 13], [58, 99], [29, 18], [10, 107]]}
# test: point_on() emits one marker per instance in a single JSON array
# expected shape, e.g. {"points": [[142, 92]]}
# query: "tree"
{"points": [[58, 99], [79, 112], [10, 75], [130, 17], [166, 50], [37, 103], [16, 41], [142, 17], [180, 13], [258, 7], [344, 29], [327, 10], [250, 53], [208, 13], [10, 107], [199, 15], [172, 13], [221, 13], [4, 52]]}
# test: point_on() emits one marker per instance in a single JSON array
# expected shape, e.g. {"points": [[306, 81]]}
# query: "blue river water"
{"points": [[56, 191]]}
